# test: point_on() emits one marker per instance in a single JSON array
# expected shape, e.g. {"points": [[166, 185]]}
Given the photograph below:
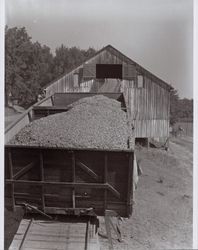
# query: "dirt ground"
{"points": [[162, 216]]}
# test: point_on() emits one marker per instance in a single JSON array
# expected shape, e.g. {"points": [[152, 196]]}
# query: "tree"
{"points": [[89, 53], [67, 59], [20, 79], [180, 108], [28, 66], [174, 106]]}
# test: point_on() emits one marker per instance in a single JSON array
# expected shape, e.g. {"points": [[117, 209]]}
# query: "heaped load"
{"points": [[92, 122]]}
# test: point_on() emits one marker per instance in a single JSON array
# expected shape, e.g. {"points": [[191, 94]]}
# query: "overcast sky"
{"points": [[155, 33]]}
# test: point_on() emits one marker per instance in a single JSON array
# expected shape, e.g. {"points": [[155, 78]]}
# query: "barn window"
{"points": [[109, 71], [140, 81]]}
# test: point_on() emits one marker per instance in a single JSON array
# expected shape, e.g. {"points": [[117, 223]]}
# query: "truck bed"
{"points": [[67, 180]]}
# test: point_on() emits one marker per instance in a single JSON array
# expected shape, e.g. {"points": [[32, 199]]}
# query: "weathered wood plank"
{"points": [[54, 235]]}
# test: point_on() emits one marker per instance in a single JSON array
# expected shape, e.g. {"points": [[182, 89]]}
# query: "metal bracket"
{"points": [[34, 208]]}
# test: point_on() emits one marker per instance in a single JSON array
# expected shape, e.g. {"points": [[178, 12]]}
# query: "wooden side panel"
{"points": [[64, 99], [79, 179]]}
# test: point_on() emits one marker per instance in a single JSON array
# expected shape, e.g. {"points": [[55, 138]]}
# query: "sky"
{"points": [[157, 34]]}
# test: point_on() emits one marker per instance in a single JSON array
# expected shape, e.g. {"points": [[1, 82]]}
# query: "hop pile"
{"points": [[94, 122]]}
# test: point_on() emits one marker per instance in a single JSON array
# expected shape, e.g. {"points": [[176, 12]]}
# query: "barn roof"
{"points": [[126, 59]]}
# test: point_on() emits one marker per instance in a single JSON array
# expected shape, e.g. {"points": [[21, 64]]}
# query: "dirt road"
{"points": [[162, 217]]}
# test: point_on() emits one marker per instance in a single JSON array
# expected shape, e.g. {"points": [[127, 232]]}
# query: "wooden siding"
{"points": [[151, 128], [66, 83], [149, 108]]}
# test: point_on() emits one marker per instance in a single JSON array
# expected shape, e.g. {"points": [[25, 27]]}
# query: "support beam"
{"points": [[89, 171], [52, 100], [24, 170], [105, 179], [11, 177], [73, 179], [130, 183], [42, 179], [67, 184], [113, 190]]}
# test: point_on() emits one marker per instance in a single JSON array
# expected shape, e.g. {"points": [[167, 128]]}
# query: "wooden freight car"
{"points": [[67, 180]]}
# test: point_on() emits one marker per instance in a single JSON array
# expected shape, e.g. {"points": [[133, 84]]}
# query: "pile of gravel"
{"points": [[94, 122]]}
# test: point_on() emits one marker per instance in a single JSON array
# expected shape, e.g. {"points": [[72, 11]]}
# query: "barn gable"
{"points": [[108, 55]]}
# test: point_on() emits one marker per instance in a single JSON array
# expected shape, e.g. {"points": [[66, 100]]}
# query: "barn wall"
{"points": [[149, 108]]}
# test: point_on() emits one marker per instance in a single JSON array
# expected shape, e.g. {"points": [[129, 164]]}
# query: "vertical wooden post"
{"points": [[52, 100], [11, 177], [29, 116], [73, 179], [129, 101], [42, 179], [105, 180], [130, 195], [148, 142]]}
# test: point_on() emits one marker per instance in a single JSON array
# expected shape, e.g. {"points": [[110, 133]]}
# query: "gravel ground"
{"points": [[93, 122], [162, 216]]}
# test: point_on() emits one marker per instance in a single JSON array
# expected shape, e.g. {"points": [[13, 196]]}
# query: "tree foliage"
{"points": [[180, 109], [67, 59], [30, 65]]}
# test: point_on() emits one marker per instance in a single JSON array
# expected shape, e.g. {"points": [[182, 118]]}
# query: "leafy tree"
{"points": [[180, 108], [89, 53], [186, 108], [174, 106], [28, 66], [44, 61], [67, 59], [16, 41], [60, 62]]}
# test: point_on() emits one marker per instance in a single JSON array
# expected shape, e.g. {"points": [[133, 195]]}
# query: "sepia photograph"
{"points": [[98, 125]]}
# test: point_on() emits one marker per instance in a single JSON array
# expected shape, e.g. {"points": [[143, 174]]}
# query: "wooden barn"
{"points": [[147, 97]]}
